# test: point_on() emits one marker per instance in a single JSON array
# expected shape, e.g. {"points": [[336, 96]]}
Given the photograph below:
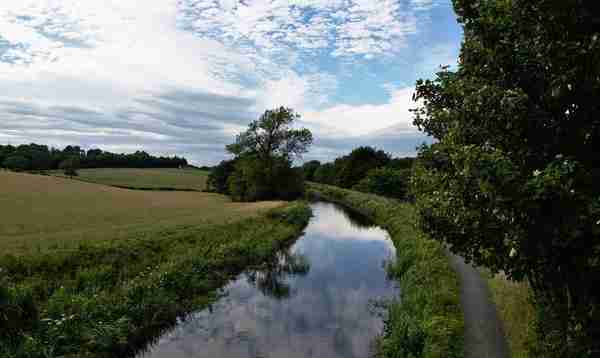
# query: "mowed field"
{"points": [[45, 212], [167, 178]]}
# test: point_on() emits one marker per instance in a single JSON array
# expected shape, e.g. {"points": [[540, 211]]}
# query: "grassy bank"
{"points": [[513, 300], [427, 321], [144, 179], [94, 271]]}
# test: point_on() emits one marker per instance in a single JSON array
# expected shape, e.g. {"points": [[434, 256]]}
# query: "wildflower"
{"points": [[513, 252], [536, 173]]}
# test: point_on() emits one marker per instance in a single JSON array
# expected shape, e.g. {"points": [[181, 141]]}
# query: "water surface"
{"points": [[319, 298]]}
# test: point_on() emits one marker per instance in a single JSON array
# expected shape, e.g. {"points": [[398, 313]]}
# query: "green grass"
{"points": [[156, 179], [41, 213], [427, 321], [514, 303], [106, 296]]}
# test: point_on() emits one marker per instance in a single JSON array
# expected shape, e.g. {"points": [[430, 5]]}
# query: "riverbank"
{"points": [[427, 321], [110, 298]]}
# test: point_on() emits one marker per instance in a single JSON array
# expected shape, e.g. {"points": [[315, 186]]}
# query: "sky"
{"points": [[183, 77]]}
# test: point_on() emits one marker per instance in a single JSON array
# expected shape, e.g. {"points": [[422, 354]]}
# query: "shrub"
{"points": [[17, 163], [218, 178], [388, 182]]}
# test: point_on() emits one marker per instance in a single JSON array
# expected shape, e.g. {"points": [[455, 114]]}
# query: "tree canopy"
{"points": [[272, 136], [514, 180], [264, 153]]}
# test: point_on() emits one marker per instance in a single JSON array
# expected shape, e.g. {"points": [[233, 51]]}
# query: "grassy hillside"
{"points": [[42, 212], [182, 179], [427, 321], [88, 270]]}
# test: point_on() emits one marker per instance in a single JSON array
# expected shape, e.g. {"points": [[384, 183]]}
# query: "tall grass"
{"points": [[110, 298], [427, 320], [514, 301]]}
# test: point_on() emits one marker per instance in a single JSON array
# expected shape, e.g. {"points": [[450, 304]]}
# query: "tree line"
{"points": [[41, 157], [365, 169]]}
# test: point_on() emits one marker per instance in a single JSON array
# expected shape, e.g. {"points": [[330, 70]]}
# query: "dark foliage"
{"points": [[368, 170], [219, 175], [325, 174], [514, 181], [40, 157], [262, 167], [357, 164], [309, 169], [386, 181], [70, 166]]}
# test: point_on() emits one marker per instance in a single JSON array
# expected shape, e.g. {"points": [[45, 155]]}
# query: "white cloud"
{"points": [[357, 120], [96, 72]]}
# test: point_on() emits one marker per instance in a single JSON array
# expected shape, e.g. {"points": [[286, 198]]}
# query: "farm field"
{"points": [[42, 212], [154, 178], [98, 271]]}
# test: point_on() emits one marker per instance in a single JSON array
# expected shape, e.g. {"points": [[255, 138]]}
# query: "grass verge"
{"points": [[515, 307], [110, 298], [427, 321]]}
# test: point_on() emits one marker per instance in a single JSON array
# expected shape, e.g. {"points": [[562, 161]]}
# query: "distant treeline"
{"points": [[365, 169], [41, 157]]}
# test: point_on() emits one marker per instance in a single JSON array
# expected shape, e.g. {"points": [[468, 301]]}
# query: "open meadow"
{"points": [[41, 212], [151, 178], [97, 271]]}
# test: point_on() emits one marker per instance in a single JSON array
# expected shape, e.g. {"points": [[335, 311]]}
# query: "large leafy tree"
{"points": [[263, 158], [272, 136], [513, 182], [357, 164]]}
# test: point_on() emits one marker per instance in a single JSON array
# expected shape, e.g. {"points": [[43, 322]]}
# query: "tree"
{"points": [[17, 163], [264, 154], [272, 136], [385, 181], [514, 180], [70, 166], [219, 175], [309, 169], [355, 166], [325, 174]]}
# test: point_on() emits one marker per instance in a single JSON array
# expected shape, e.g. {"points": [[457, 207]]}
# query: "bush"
{"points": [[254, 180], [70, 166], [17, 163], [218, 178], [325, 174], [309, 169], [388, 182]]}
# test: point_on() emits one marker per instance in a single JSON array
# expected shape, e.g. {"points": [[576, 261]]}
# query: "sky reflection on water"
{"points": [[316, 300]]}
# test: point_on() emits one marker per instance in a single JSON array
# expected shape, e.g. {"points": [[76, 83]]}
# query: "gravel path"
{"points": [[484, 335]]}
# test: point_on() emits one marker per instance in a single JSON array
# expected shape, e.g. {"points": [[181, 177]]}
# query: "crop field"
{"points": [[168, 178], [96, 271], [45, 212]]}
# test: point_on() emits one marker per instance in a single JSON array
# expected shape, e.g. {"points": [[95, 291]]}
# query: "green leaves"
{"points": [[515, 168]]}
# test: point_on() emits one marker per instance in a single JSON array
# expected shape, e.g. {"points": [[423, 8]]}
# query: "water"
{"points": [[320, 298]]}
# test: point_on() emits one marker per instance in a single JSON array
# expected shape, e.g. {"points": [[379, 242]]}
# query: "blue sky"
{"points": [[184, 76]]}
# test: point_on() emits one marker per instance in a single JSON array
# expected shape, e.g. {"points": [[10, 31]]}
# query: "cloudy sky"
{"points": [[184, 76]]}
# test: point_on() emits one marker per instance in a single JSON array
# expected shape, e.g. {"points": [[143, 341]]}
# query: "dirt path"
{"points": [[484, 336]]}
